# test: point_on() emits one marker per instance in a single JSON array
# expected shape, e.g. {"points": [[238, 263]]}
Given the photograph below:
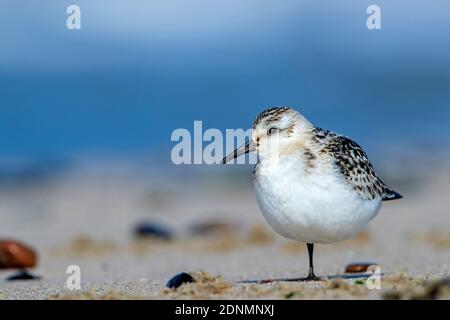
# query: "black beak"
{"points": [[246, 148]]}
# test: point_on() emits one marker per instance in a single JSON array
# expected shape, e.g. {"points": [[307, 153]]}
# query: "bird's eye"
{"points": [[272, 131]]}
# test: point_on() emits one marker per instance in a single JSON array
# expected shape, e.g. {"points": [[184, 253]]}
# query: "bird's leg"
{"points": [[311, 276]]}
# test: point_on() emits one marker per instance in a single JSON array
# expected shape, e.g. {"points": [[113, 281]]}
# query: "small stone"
{"points": [[212, 227], [22, 275], [153, 230], [265, 281], [179, 279], [358, 267], [14, 254]]}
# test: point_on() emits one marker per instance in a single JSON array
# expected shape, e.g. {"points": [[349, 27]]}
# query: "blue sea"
{"points": [[137, 71]]}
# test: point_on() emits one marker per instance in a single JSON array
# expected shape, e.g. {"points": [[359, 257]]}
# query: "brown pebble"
{"points": [[14, 254], [358, 267], [265, 281]]}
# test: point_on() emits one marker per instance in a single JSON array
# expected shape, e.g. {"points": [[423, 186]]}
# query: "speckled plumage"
{"points": [[270, 115], [354, 164]]}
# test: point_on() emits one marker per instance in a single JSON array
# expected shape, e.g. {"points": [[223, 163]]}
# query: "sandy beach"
{"points": [[115, 118], [86, 218]]}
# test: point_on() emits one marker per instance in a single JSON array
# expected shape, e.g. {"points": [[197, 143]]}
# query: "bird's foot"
{"points": [[311, 277]]}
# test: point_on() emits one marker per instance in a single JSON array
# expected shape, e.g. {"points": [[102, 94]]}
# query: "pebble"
{"points": [[153, 230], [265, 281], [22, 275], [179, 279], [212, 227], [358, 267], [14, 254]]}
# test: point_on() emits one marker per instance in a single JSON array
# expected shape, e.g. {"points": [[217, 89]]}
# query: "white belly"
{"points": [[316, 206]]}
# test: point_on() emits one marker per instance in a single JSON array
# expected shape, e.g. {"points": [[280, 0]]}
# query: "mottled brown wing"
{"points": [[355, 166]]}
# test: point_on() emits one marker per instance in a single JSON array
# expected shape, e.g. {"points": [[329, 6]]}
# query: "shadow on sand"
{"points": [[337, 276]]}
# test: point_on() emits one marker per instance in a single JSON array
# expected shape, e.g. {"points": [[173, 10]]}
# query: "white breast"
{"points": [[313, 205]]}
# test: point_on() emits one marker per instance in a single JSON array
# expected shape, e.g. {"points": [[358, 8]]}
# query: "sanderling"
{"points": [[319, 187]]}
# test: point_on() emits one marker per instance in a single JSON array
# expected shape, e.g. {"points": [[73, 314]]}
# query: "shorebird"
{"points": [[318, 187]]}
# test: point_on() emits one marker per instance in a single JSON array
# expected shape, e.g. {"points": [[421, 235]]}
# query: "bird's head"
{"points": [[275, 130]]}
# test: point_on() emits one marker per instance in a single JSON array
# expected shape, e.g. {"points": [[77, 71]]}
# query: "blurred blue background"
{"points": [[139, 69]]}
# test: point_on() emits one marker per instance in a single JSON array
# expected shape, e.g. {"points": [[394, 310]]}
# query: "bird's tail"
{"points": [[390, 194]]}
